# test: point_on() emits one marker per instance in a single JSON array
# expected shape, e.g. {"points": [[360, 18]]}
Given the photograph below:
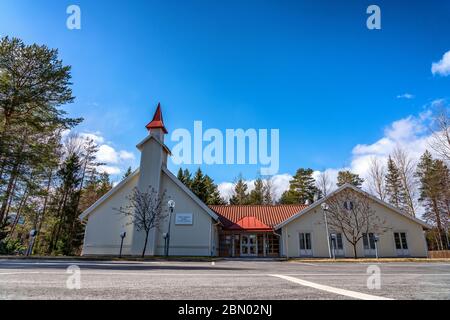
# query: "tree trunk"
{"points": [[145, 244], [8, 192], [44, 209], [355, 253]]}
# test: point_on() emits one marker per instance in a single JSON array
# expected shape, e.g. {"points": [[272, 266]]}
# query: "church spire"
{"points": [[157, 122]]}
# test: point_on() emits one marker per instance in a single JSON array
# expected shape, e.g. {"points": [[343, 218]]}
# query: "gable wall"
{"points": [[313, 222], [104, 225], [186, 240]]}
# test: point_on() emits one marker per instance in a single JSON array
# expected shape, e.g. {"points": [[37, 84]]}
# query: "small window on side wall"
{"points": [[348, 205]]}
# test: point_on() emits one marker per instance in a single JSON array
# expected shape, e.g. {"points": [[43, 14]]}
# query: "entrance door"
{"points": [[337, 244], [249, 245], [369, 245], [401, 245], [305, 245]]}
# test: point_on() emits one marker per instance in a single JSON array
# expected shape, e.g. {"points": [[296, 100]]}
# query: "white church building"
{"points": [[233, 231]]}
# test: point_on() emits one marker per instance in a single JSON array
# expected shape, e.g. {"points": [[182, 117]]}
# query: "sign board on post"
{"points": [[183, 219]]}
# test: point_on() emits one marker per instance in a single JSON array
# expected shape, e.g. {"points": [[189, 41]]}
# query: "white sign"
{"points": [[183, 219]]}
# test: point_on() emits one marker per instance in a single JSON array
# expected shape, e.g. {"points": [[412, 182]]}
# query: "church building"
{"points": [[232, 231]]}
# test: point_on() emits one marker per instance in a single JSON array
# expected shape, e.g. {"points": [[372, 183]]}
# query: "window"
{"points": [[369, 241], [305, 241], [339, 243], [400, 241], [348, 205]]}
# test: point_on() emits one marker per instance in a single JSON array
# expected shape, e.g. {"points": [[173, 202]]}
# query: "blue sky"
{"points": [[308, 68]]}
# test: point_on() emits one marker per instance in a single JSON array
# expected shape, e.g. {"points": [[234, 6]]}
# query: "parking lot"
{"points": [[227, 279]]}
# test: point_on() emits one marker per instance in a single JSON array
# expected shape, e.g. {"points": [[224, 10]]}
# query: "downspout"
{"points": [[211, 236]]}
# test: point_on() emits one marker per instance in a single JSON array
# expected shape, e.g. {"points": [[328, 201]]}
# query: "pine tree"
{"points": [[433, 176], [127, 173], [257, 194], [349, 177], [213, 193], [33, 85], [302, 188], [67, 223], [268, 193], [198, 186], [393, 184], [240, 196]]}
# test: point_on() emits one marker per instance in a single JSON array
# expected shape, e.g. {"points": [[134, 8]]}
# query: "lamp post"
{"points": [[376, 239], [171, 205], [333, 242], [325, 208], [123, 234]]}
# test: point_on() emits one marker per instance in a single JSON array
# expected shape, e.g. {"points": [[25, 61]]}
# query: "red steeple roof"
{"points": [[157, 122]]}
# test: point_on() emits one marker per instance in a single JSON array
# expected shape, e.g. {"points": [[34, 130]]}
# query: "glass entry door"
{"points": [[305, 245], [249, 245], [369, 245]]}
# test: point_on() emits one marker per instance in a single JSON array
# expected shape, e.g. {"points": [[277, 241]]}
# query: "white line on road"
{"points": [[17, 273], [343, 292]]}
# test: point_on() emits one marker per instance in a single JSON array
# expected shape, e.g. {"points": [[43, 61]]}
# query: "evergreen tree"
{"points": [[349, 177], [66, 232], [268, 194], [199, 186], [33, 85], [257, 194], [433, 176], [213, 193], [185, 177], [302, 188], [127, 173], [393, 184], [240, 195]]}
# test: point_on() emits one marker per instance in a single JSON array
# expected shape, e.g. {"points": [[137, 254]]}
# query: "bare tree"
{"points": [[407, 169], [146, 210], [351, 213], [441, 135], [324, 184], [376, 181]]}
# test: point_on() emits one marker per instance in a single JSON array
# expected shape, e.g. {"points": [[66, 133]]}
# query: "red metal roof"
{"points": [[250, 223], [250, 217], [157, 122]]}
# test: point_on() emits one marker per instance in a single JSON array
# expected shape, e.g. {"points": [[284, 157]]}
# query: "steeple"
{"points": [[157, 123]]}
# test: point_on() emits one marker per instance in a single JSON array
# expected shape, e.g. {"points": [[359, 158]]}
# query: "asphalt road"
{"points": [[229, 279]]}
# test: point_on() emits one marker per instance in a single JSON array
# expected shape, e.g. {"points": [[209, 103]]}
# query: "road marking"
{"points": [[343, 292], [17, 273]]}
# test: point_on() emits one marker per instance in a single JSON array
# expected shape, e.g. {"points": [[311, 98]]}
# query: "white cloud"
{"points": [[115, 161], [107, 154], [226, 190], [405, 96], [442, 67], [96, 137], [125, 155], [111, 170]]}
